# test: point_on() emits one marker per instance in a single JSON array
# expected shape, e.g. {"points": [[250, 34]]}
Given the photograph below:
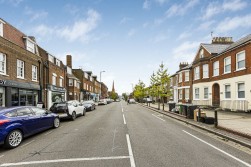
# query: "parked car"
{"points": [[132, 101], [89, 105], [70, 109], [16, 123], [102, 102], [108, 100]]}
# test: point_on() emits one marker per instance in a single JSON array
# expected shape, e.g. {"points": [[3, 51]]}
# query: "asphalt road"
{"points": [[121, 135]]}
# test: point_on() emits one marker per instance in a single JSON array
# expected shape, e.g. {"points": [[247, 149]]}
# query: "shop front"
{"points": [[13, 93], [55, 94]]}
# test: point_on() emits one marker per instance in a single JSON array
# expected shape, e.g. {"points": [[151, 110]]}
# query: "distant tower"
{"points": [[113, 90]]}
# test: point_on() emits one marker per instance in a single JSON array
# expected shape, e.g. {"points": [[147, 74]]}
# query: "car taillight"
{"points": [[4, 121]]}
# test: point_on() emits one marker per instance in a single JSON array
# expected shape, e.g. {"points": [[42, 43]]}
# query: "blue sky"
{"points": [[127, 38]]}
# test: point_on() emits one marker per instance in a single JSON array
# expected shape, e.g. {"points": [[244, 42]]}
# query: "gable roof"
{"points": [[215, 48]]}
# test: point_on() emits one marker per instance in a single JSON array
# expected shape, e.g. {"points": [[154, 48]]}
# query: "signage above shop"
{"points": [[19, 84], [55, 88]]}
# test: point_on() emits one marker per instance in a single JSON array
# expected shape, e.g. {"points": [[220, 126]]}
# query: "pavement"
{"points": [[233, 126]]}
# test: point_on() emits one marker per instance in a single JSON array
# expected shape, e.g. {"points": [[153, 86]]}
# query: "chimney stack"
{"points": [[183, 64], [69, 61]]}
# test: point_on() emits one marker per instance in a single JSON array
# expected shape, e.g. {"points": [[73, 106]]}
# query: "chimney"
{"points": [[183, 64], [222, 40], [69, 61]]}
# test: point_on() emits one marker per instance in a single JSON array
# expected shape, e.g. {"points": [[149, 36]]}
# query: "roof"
{"points": [[72, 76], [215, 48], [237, 43]]}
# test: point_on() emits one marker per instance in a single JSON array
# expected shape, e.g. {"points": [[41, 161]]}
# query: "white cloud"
{"points": [[185, 51], [124, 20], [180, 9], [233, 23], [80, 30], [146, 4], [35, 15], [215, 8]]}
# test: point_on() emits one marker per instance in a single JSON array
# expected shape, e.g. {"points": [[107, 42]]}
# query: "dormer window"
{"points": [[30, 45], [1, 27], [51, 58], [201, 53], [58, 62]]}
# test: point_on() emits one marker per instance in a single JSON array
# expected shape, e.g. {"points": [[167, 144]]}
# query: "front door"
{"points": [[216, 95]]}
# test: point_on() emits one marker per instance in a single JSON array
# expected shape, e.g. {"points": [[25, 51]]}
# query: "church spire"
{"points": [[113, 89]]}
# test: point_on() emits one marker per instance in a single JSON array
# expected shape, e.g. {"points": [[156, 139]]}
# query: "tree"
{"points": [[125, 96], [139, 90], [114, 95]]}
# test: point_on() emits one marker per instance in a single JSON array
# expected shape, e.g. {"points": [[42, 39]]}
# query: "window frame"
{"points": [[241, 98], [227, 72], [216, 68], [70, 82], [180, 94], [1, 28], [197, 73], [239, 53], [187, 93], [180, 77], [4, 63], [196, 98], [187, 76], [225, 91], [207, 71], [54, 79], [22, 68], [207, 95], [34, 69]]}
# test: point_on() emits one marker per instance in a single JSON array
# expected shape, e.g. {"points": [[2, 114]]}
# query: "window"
{"points": [[24, 112], [196, 73], [60, 82], [187, 76], [171, 81], [227, 92], [54, 80], [180, 77], [86, 75], [34, 73], [205, 70], [227, 65], [206, 93], [58, 62], [201, 53], [241, 90], [1, 29], [240, 60], [75, 83], [180, 93], [2, 63], [196, 93], [20, 69], [70, 82], [216, 68], [187, 93], [78, 85], [30, 46], [51, 58]]}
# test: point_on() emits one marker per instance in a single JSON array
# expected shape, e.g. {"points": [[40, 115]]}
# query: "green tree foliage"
{"points": [[163, 81], [125, 96], [139, 90], [114, 95]]}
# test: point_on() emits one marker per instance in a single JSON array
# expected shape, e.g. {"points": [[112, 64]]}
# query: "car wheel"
{"points": [[56, 122], [13, 139], [73, 116]]}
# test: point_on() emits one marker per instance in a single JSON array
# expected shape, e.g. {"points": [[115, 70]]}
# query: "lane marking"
{"points": [[27, 143], [216, 148], [130, 151], [1, 156], [65, 160], [159, 118], [124, 119], [48, 133]]}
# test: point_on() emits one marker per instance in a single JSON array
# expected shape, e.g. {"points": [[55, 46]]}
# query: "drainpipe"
{"points": [[40, 82]]}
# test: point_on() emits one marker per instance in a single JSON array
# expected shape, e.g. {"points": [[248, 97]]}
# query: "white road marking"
{"points": [[48, 133], [122, 110], [1, 156], [27, 143], [124, 119], [130, 151], [65, 160], [158, 117], [216, 148]]}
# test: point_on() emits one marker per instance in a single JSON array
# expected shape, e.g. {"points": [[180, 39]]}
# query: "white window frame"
{"points": [[180, 94], [227, 64], [20, 66], [186, 76], [54, 79], [34, 73], [3, 64], [30, 45], [205, 71], [75, 83], [238, 54], [180, 77], [187, 92], [206, 96], [216, 69], [202, 53], [197, 73], [196, 98], [240, 98], [1, 29], [70, 82], [51, 58], [225, 91], [58, 62]]}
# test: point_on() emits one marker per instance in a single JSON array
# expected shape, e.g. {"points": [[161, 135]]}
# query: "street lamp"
{"points": [[100, 83]]}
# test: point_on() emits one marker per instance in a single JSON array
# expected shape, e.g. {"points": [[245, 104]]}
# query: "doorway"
{"points": [[216, 95]]}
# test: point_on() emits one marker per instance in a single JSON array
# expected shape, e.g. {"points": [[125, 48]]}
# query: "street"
{"points": [[118, 134]]}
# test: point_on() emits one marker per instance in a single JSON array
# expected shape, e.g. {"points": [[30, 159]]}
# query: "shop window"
{"points": [[34, 73], [20, 69], [2, 63], [14, 97]]}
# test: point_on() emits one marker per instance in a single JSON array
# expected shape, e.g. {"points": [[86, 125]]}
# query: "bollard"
{"points": [[215, 118]]}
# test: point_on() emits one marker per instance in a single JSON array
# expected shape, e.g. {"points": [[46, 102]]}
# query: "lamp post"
{"points": [[100, 84]]}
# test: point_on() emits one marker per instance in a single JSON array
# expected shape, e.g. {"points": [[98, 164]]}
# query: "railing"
{"points": [[202, 102], [235, 105]]}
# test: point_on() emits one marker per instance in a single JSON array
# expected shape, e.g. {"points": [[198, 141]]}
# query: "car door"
{"points": [[30, 121], [45, 120], [78, 108]]}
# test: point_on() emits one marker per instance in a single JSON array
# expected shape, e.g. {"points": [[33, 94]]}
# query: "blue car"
{"points": [[17, 123]]}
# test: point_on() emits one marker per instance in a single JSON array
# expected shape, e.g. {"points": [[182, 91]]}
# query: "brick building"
{"points": [[20, 64], [104, 91], [54, 79]]}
